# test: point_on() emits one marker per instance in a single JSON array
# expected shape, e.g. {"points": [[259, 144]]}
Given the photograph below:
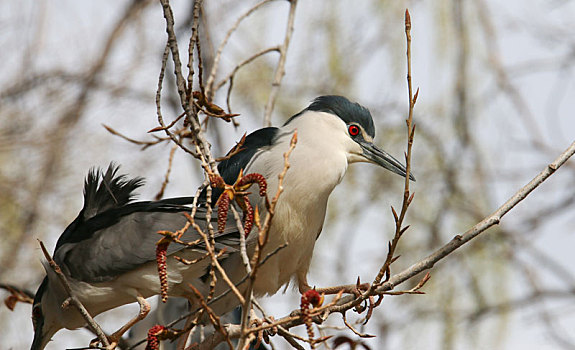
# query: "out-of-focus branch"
{"points": [[160, 193], [502, 76], [209, 92], [247, 61], [52, 159], [491, 220], [532, 298], [16, 295], [280, 69]]}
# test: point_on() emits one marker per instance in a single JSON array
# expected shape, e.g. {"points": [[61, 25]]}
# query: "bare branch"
{"points": [[209, 85], [459, 240], [184, 91], [263, 236], [280, 69], [163, 126], [214, 257], [94, 326], [160, 193], [245, 62], [407, 198]]}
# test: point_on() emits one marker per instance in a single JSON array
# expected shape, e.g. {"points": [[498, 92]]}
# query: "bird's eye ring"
{"points": [[353, 130]]}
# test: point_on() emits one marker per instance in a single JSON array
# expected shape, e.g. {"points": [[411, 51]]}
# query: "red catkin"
{"points": [[161, 257], [248, 216], [223, 204], [153, 337], [254, 178]]}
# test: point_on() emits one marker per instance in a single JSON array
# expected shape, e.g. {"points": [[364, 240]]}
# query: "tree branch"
{"points": [[459, 240], [72, 299], [280, 69]]}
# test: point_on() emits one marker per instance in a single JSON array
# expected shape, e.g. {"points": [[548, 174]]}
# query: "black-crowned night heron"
{"points": [[108, 252]]}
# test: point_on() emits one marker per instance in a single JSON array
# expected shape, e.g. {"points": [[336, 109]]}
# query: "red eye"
{"points": [[353, 130]]}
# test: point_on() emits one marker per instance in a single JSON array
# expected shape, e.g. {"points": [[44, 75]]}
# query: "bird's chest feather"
{"points": [[297, 221]]}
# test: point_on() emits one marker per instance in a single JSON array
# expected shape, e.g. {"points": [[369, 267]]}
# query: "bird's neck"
{"points": [[314, 171]]}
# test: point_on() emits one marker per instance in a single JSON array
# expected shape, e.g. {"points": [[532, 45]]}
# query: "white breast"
{"points": [[316, 167]]}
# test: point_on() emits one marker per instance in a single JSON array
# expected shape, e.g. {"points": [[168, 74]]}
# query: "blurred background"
{"points": [[496, 105]]}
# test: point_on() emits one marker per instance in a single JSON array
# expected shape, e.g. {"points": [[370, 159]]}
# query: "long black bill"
{"points": [[384, 159]]}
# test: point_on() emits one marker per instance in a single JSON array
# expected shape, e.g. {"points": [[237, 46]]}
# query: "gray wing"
{"points": [[131, 242]]}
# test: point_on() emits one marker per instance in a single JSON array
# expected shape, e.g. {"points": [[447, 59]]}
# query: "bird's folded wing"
{"points": [[125, 239]]}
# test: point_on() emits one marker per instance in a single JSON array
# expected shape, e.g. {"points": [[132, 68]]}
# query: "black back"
{"points": [[348, 111], [230, 168]]}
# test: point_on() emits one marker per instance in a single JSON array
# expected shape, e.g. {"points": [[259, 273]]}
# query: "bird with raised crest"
{"points": [[108, 252]]}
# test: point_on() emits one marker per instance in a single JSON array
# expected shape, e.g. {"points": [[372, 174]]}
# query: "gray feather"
{"points": [[107, 191], [131, 242]]}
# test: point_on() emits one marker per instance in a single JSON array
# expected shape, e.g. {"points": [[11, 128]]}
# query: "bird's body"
{"points": [[303, 202], [108, 252]]}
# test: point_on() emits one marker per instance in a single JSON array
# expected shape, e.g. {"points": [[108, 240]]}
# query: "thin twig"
{"points": [[194, 42], [189, 244], [229, 290], [288, 336], [295, 319], [214, 259], [144, 144], [280, 69], [169, 126], [160, 193], [245, 62], [16, 295], [263, 236], [212, 316], [243, 248], [184, 90], [216, 63], [159, 105], [173, 47], [95, 327], [459, 240], [407, 198], [235, 150], [358, 333], [232, 331]]}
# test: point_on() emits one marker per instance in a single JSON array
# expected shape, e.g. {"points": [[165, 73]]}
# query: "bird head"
{"points": [[46, 315], [349, 129]]}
